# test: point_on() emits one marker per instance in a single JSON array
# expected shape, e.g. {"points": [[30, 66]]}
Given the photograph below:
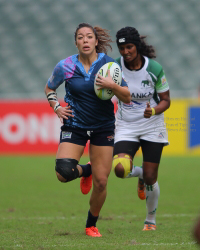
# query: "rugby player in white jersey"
{"points": [[140, 123]]}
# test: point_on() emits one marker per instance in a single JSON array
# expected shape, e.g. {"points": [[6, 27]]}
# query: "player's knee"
{"points": [[122, 165], [149, 177], [60, 178], [100, 184], [66, 169]]}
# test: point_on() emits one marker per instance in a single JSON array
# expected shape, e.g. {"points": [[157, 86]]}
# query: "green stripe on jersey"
{"points": [[118, 60], [157, 74]]}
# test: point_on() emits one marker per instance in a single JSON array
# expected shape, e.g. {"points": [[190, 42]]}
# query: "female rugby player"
{"points": [[86, 117], [140, 123]]}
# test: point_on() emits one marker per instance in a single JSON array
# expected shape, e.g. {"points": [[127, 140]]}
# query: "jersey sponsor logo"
{"points": [[66, 135], [161, 135], [137, 103], [163, 80], [145, 84], [141, 95], [122, 40], [89, 133], [110, 137]]}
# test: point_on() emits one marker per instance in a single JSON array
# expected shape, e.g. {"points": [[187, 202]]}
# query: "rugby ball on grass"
{"points": [[116, 74]]}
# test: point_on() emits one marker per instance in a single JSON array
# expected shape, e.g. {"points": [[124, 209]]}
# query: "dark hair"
{"points": [[131, 35], [102, 35]]}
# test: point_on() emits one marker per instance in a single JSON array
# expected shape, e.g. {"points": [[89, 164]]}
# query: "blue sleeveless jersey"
{"points": [[89, 111]]}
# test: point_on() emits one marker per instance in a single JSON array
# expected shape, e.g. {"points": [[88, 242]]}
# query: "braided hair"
{"points": [[131, 35], [102, 35]]}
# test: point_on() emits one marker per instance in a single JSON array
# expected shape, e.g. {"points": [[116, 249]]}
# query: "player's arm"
{"points": [[121, 92], [163, 105], [52, 97], [56, 79], [62, 112], [162, 89]]}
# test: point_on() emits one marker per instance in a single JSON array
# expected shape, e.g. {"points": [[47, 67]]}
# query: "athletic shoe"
{"points": [[141, 189], [149, 226], [92, 231], [86, 184]]}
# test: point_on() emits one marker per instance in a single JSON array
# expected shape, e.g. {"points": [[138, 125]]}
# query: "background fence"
{"points": [[35, 35]]}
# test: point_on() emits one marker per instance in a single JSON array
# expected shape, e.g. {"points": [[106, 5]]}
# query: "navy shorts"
{"points": [[79, 136]]}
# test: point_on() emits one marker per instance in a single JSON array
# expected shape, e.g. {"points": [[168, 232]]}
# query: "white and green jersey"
{"points": [[144, 86]]}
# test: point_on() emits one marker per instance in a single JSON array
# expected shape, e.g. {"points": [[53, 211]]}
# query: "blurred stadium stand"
{"points": [[35, 35]]}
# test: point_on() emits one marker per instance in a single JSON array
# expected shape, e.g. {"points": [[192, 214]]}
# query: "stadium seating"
{"points": [[35, 35]]}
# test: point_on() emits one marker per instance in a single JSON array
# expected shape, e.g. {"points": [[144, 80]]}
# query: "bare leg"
{"points": [[101, 160]]}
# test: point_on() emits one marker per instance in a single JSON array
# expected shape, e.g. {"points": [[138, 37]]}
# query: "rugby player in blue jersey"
{"points": [[86, 117]]}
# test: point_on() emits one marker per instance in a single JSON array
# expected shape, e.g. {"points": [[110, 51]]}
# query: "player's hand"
{"points": [[105, 82], [148, 111], [64, 113]]}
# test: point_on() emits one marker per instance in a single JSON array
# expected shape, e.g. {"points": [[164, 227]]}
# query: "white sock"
{"points": [[152, 194], [136, 172]]}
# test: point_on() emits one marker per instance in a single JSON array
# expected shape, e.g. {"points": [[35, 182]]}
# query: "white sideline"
{"points": [[106, 243], [77, 217], [168, 244]]}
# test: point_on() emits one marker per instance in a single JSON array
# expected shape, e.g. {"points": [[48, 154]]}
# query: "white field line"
{"points": [[106, 243], [169, 244], [79, 217]]}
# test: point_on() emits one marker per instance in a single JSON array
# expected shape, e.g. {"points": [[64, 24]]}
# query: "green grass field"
{"points": [[38, 212]]}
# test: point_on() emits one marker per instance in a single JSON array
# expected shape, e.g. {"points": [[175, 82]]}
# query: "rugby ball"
{"points": [[116, 74]]}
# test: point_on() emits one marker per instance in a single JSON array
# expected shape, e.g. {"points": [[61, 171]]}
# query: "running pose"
{"points": [[140, 123], [86, 117]]}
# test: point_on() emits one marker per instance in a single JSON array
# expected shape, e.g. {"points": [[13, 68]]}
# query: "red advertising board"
{"points": [[29, 127]]}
